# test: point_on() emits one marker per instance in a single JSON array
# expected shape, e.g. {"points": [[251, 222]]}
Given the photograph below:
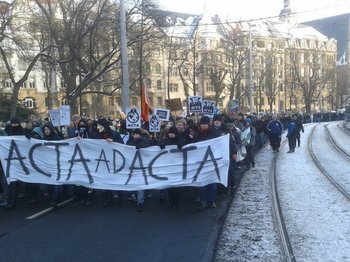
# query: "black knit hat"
{"points": [[173, 130], [205, 120], [103, 122], [15, 120], [217, 117], [137, 131]]}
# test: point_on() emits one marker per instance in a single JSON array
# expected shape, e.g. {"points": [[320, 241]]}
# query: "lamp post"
{"points": [[124, 52], [250, 71]]}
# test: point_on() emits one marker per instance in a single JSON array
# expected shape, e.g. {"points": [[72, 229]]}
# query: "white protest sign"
{"points": [[65, 115], [195, 104], [95, 163], [55, 117], [164, 114], [133, 118], [154, 123], [208, 108]]}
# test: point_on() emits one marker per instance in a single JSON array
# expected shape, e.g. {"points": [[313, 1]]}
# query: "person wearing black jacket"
{"points": [[139, 141], [105, 132], [235, 144], [50, 134], [172, 138], [208, 192], [298, 127], [15, 129]]}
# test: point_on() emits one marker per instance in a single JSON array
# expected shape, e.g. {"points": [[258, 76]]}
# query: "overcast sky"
{"points": [[250, 9]]}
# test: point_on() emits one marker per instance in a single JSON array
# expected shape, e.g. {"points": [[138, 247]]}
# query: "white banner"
{"points": [[95, 163]]}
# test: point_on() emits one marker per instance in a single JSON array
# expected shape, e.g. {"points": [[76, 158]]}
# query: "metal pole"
{"points": [[250, 71], [124, 51], [141, 55]]}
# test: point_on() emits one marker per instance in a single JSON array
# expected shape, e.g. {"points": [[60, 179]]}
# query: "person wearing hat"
{"points": [[138, 141], [208, 192], [173, 138], [218, 124], [105, 132], [15, 129]]}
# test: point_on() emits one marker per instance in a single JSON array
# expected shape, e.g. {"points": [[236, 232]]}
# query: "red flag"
{"points": [[145, 105]]}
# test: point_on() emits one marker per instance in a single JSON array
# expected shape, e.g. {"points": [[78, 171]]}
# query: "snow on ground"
{"points": [[316, 214], [249, 233]]}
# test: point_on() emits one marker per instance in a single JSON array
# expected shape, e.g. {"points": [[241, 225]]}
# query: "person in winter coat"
{"points": [[50, 134], [105, 132], [299, 127], [291, 135], [82, 193], [139, 141], [173, 138], [250, 147], [235, 144], [208, 192], [275, 129], [13, 129]]}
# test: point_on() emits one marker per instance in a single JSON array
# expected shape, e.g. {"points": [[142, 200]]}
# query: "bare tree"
{"points": [[342, 94], [236, 48], [14, 39], [310, 78]]}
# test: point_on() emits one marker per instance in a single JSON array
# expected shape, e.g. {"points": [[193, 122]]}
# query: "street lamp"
{"points": [[250, 71]]}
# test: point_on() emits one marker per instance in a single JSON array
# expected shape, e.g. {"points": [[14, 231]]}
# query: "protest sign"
{"points": [[65, 115], [208, 108], [195, 104], [154, 123], [95, 163], [164, 114], [55, 117], [133, 118]]}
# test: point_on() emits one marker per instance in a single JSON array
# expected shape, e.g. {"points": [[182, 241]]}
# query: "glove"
{"points": [[28, 136]]}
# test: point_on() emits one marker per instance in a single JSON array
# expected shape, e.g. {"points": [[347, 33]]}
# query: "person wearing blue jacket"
{"points": [[291, 135], [274, 129]]}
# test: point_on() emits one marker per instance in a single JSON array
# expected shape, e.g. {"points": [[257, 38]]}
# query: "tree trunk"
{"points": [[14, 100]]}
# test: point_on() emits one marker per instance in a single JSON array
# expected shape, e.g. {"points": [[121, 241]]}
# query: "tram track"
{"points": [[285, 244], [335, 144], [344, 127], [326, 174]]}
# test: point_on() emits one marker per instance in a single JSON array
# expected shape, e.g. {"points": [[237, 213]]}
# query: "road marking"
{"points": [[47, 210]]}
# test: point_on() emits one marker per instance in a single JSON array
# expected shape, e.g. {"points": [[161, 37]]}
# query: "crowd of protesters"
{"points": [[247, 134]]}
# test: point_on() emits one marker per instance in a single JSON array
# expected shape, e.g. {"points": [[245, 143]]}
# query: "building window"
{"points": [[173, 72], [147, 67], [118, 101], [173, 88], [148, 83], [8, 83], [157, 53], [209, 88], [158, 69], [185, 71], [160, 101], [31, 83], [110, 101], [159, 84], [29, 102], [23, 85]]}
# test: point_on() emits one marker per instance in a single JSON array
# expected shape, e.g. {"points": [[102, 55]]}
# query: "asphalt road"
{"points": [[73, 232]]}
